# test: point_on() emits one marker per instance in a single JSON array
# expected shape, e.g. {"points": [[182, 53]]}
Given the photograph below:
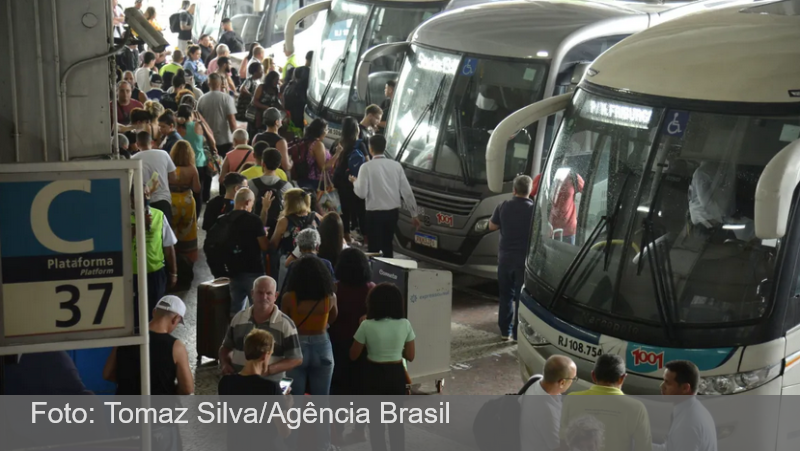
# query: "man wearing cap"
{"points": [[169, 360], [155, 92], [273, 119]]}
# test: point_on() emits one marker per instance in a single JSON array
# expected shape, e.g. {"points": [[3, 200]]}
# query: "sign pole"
{"points": [[144, 332]]}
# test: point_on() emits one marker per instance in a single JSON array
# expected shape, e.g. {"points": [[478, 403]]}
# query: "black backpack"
{"points": [[342, 173], [295, 94], [498, 421], [218, 247], [277, 202], [175, 22]]}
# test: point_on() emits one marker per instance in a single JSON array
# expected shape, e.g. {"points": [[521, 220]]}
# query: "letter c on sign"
{"points": [[40, 221]]}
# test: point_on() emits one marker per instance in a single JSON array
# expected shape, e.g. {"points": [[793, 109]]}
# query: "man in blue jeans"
{"points": [[513, 219]]}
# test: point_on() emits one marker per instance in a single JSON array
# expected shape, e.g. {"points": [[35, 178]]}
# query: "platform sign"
{"points": [[65, 255]]}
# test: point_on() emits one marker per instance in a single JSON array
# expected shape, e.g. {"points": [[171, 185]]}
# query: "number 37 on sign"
{"points": [[73, 306]]}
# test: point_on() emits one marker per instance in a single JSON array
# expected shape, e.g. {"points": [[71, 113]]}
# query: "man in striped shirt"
{"points": [[263, 314]]}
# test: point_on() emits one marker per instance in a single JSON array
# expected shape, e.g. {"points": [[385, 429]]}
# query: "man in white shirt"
{"points": [[383, 183], [693, 427], [156, 161], [541, 416]]}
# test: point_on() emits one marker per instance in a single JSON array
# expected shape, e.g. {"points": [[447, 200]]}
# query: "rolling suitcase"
{"points": [[213, 310]]}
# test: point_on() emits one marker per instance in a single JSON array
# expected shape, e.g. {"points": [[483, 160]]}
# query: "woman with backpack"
{"points": [[267, 95], [244, 104], [295, 217], [350, 156]]}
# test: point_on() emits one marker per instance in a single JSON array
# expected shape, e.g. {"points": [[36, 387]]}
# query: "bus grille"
{"points": [[445, 203]]}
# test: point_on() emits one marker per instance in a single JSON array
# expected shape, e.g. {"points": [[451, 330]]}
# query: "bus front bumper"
{"points": [[472, 254]]}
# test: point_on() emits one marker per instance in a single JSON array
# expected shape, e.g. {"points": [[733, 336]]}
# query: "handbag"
{"points": [[251, 113], [328, 196], [213, 163]]}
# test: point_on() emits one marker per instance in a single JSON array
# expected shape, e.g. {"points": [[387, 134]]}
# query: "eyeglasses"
{"points": [[572, 379]]}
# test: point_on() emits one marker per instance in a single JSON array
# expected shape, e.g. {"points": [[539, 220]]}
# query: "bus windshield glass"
{"points": [[661, 203], [330, 82], [352, 28], [387, 25], [425, 80], [486, 91]]}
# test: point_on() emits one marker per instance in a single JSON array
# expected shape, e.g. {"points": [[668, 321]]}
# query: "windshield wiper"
{"points": [[590, 241], [461, 151], [613, 221], [324, 97], [657, 264], [582, 253], [428, 110]]}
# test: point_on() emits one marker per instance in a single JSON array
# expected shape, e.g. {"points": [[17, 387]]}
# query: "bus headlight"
{"points": [[736, 383], [531, 335], [481, 225]]}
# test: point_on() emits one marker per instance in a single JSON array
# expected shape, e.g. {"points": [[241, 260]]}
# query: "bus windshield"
{"points": [[486, 91], [350, 29], [661, 203]]}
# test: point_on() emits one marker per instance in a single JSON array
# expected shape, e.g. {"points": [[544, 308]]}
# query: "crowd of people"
{"points": [[303, 307]]}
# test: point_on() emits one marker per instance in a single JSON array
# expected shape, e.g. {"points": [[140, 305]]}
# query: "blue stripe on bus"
{"points": [[557, 324]]}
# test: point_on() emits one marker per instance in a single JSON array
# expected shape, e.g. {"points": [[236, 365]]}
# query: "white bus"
{"points": [[465, 71], [261, 21], [688, 135]]}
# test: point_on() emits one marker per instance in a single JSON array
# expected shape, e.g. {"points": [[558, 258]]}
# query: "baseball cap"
{"points": [[155, 78], [273, 115], [172, 304]]}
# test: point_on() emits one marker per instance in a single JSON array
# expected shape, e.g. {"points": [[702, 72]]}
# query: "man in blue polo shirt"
{"points": [[513, 219]]}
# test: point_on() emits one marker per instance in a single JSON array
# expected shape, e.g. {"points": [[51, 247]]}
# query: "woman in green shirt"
{"points": [[389, 338]]}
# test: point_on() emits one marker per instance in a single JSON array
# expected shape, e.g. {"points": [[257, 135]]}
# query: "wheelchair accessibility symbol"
{"points": [[675, 123], [469, 67]]}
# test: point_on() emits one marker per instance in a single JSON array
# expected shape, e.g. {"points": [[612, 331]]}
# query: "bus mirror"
{"points": [[775, 191], [372, 54], [508, 129], [578, 71], [297, 16]]}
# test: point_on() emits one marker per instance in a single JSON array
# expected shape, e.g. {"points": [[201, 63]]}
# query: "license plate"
{"points": [[426, 240], [578, 346]]}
